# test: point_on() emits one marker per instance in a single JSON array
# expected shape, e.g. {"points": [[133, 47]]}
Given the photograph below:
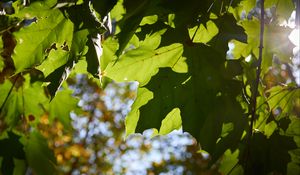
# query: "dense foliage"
{"points": [[241, 103]]}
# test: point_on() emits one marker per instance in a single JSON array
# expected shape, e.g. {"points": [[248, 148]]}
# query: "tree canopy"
{"points": [[222, 70]]}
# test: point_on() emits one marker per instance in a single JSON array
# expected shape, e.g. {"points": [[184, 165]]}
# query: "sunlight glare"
{"points": [[294, 37]]}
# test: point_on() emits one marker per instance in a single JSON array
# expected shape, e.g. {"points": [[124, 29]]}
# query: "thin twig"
{"points": [[8, 94], [270, 97], [297, 20], [195, 32], [231, 170], [229, 6], [209, 8], [256, 83], [245, 95]]}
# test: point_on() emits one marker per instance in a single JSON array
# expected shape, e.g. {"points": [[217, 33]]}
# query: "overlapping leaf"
{"points": [[21, 101], [62, 112], [282, 100], [276, 42], [10, 149], [283, 7], [142, 63]]}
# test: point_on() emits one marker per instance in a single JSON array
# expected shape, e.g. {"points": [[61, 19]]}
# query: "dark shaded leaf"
{"points": [[10, 148]]}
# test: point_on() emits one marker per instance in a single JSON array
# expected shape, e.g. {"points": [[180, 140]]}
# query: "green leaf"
{"points": [[2, 65], [270, 155], [195, 93], [4, 89], [149, 20], [244, 7], [61, 73], [195, 90], [39, 157], [135, 11], [228, 30], [54, 60], [270, 128], [110, 47], [248, 5], [50, 27], [280, 45], [79, 48], [20, 167], [229, 163], [240, 49], [61, 106], [283, 7], [171, 122], [22, 101], [294, 130], [142, 63], [103, 7], [92, 56], [204, 34], [282, 100], [143, 96], [118, 11], [7, 22]]}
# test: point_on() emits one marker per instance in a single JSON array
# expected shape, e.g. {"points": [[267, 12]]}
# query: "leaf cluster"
{"points": [[178, 53]]}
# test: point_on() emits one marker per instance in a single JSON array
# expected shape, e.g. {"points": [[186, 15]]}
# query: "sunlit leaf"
{"points": [[281, 100], [50, 27], [283, 7], [276, 42], [230, 163], [61, 106], [142, 63], [203, 34], [54, 60], [171, 122], [143, 96]]}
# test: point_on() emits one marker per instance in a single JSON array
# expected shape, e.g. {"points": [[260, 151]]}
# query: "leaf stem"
{"points": [[269, 113]]}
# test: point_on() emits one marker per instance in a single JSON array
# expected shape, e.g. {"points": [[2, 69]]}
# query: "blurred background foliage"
{"points": [[97, 145]]}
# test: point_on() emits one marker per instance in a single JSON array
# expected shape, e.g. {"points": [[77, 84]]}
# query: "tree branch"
{"points": [[258, 70], [253, 104]]}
